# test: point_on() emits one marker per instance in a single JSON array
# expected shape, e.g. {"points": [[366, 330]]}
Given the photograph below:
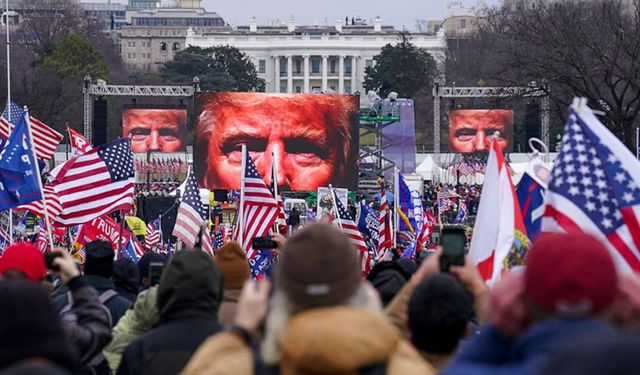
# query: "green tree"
{"points": [[221, 68], [74, 58], [403, 68]]}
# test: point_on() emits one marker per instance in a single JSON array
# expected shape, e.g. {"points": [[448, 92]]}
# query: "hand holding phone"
{"points": [[265, 242], [48, 260], [155, 272], [453, 242]]}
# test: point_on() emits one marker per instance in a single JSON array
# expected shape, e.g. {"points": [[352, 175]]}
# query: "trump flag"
{"points": [[595, 188]]}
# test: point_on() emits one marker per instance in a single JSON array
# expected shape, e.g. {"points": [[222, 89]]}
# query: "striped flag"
{"points": [[385, 239], [595, 188], [96, 183], [350, 228], [133, 250], [205, 241], [152, 236], [54, 207], [191, 213], [42, 242], [259, 208], [218, 239], [45, 139]]}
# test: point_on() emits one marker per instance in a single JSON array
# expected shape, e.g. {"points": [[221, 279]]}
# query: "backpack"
{"points": [[68, 316]]}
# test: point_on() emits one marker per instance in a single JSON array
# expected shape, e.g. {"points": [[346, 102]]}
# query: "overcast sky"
{"points": [[398, 13]]}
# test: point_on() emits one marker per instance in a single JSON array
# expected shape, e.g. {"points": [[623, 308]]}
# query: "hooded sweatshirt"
{"points": [[189, 294]]}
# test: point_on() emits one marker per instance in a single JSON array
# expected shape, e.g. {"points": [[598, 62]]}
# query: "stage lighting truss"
{"points": [[532, 90], [373, 120]]}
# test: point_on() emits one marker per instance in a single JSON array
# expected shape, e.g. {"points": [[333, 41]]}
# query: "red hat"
{"points": [[26, 258], [570, 274]]}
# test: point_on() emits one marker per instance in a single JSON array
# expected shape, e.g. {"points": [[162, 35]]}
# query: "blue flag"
{"points": [[530, 191], [19, 183], [405, 203], [368, 225]]}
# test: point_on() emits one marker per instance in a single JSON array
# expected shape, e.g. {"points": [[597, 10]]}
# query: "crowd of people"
{"points": [[568, 312]]}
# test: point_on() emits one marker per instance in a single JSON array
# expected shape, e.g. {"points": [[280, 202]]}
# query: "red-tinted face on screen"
{"points": [[162, 130], [470, 130], [307, 136]]}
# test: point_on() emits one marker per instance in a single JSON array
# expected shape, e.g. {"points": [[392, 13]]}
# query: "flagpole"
{"points": [[274, 171], [241, 207], [6, 4], [38, 178], [396, 192], [637, 143], [335, 205]]}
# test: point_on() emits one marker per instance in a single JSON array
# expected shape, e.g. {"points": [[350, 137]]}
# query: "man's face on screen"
{"points": [[295, 134], [155, 130], [471, 130]]}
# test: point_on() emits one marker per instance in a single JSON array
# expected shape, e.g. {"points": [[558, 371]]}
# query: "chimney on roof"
{"points": [[253, 25], [339, 25], [377, 24]]}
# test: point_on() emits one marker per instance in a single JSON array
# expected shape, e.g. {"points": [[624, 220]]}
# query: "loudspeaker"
{"points": [[220, 195], [99, 128], [532, 123], [152, 207]]}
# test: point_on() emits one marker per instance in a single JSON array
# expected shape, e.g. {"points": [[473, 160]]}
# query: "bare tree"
{"points": [[44, 23], [589, 49]]}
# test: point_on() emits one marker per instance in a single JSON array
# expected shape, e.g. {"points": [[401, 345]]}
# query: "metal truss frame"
{"points": [[533, 90], [90, 90]]}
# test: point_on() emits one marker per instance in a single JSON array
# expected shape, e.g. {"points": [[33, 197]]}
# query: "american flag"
{"points": [[206, 243], [443, 205], [259, 208], [191, 214], [350, 228], [45, 139], [385, 239], [281, 221], [218, 239], [595, 188], [42, 242], [465, 169], [54, 207], [152, 236], [96, 183]]}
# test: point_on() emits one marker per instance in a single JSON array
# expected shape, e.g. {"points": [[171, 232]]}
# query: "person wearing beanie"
{"points": [[143, 267], [23, 260], [188, 297], [565, 295], [33, 336], [126, 278], [233, 265], [322, 319], [98, 271]]}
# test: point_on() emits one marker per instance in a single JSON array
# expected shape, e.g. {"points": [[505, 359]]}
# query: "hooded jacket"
{"points": [[490, 353], [133, 324], [335, 340], [189, 294]]}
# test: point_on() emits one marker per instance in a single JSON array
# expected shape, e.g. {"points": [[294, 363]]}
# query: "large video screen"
{"points": [[313, 139], [470, 130], [160, 130]]}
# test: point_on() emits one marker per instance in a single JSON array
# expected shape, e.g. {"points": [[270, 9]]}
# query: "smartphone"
{"points": [[155, 271], [453, 242], [263, 243], [48, 261]]}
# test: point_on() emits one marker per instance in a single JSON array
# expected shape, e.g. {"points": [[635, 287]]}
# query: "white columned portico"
{"points": [[341, 75], [324, 72], [306, 73], [289, 74], [354, 68], [276, 59]]}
